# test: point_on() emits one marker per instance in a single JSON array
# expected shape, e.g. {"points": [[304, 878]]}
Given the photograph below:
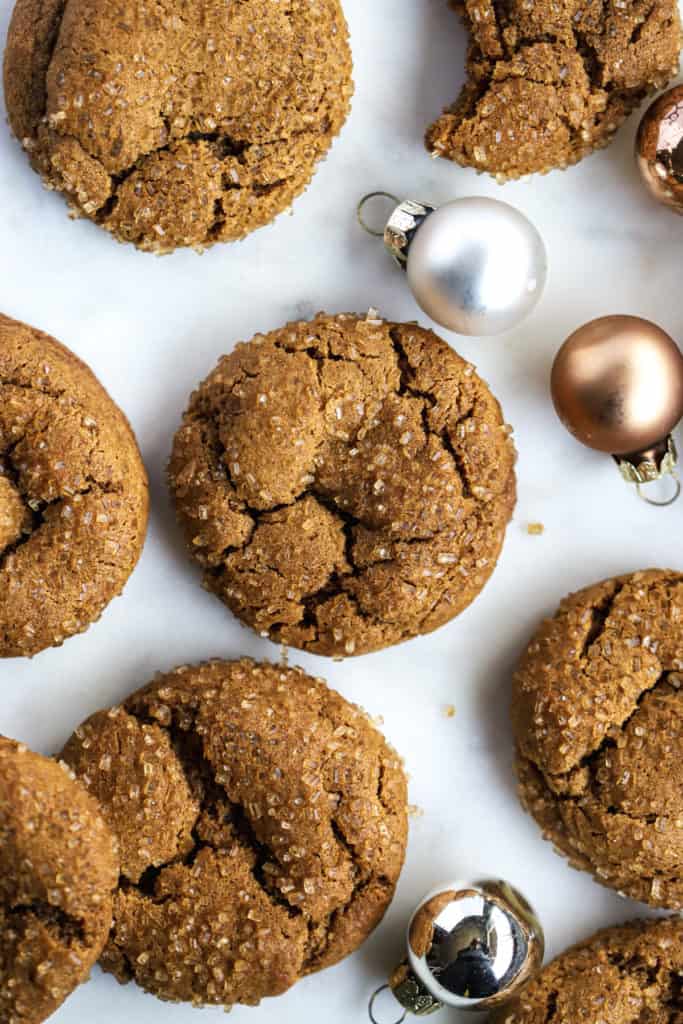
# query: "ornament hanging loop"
{"points": [[360, 211], [666, 501], [373, 1000]]}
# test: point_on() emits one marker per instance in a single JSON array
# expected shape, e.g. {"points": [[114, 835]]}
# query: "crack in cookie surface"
{"points": [[172, 128], [262, 825], [344, 483], [549, 83], [73, 493], [597, 710]]}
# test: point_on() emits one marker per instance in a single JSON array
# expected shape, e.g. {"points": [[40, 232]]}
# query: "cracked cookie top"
{"points": [[598, 719], [58, 868], [73, 493], [262, 824], [345, 483], [550, 82], [621, 975], [177, 125]]}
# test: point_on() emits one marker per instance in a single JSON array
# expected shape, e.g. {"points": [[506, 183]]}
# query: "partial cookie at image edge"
{"points": [[597, 710], [59, 869]]}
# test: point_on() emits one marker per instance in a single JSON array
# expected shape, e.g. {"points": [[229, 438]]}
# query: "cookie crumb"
{"points": [[449, 710], [535, 529]]}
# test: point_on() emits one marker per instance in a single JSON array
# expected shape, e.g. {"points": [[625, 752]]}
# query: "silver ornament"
{"points": [[470, 946], [475, 265]]}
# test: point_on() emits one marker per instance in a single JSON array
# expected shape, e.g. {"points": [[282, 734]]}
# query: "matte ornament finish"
{"points": [[617, 385], [659, 148], [476, 266]]}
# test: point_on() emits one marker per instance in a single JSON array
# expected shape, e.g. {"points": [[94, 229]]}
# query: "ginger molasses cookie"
{"points": [[58, 869], [598, 719], [345, 483], [73, 493], [177, 126], [549, 83], [262, 825], [618, 976]]}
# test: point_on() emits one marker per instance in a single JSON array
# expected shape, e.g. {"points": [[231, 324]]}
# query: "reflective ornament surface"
{"points": [[659, 148], [476, 265], [470, 946], [617, 385]]}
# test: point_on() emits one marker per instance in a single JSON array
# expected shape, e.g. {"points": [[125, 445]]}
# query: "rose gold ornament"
{"points": [[617, 385], [659, 148]]}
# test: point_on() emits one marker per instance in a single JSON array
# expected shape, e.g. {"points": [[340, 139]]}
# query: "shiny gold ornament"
{"points": [[659, 148], [617, 385]]}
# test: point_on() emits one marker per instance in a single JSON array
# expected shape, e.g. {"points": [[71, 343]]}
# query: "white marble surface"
{"points": [[151, 328]]}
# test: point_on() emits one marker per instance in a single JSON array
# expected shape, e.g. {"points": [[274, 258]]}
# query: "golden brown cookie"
{"points": [[550, 82], [345, 483], [58, 868], [598, 719], [73, 493], [262, 824], [621, 975], [177, 126]]}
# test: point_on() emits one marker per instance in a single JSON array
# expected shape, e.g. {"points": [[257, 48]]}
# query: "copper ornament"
{"points": [[617, 385], [659, 148]]}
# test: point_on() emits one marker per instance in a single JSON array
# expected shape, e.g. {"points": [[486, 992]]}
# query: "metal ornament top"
{"points": [[401, 228], [648, 466]]}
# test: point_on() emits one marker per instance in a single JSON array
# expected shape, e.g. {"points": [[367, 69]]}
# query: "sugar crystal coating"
{"points": [[262, 824], [598, 719], [58, 868], [621, 975], [345, 483], [177, 125], [73, 493], [550, 82]]}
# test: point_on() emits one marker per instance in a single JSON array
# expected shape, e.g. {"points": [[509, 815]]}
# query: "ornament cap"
{"points": [[410, 992], [406, 217], [650, 465], [401, 227]]}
